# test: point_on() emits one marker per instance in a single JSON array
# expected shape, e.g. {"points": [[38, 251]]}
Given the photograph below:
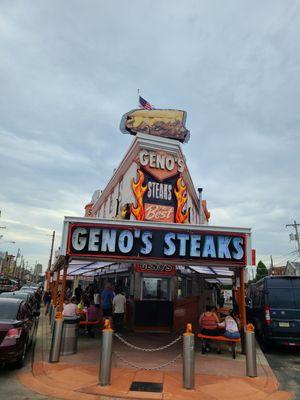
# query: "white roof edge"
{"points": [[174, 226]]}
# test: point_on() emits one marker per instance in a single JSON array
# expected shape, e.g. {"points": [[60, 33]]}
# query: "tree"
{"points": [[261, 271]]}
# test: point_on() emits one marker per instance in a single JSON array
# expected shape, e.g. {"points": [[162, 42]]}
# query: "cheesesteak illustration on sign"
{"points": [[165, 123], [159, 189]]}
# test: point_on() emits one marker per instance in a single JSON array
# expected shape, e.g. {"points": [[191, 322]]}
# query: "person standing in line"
{"points": [[47, 300], [107, 302], [97, 299], [78, 293], [119, 308]]}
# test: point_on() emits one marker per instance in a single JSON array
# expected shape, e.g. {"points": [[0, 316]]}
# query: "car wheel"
{"points": [[20, 361]]}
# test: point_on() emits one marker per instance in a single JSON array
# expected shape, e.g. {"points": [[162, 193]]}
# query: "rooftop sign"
{"points": [[164, 123], [155, 242]]}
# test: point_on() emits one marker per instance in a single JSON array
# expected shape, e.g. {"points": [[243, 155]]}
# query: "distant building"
{"points": [[277, 271], [38, 271], [292, 268]]}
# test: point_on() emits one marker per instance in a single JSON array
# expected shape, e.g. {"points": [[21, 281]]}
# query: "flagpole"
{"points": [[138, 95]]}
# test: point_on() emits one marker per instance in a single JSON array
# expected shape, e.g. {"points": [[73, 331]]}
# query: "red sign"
{"points": [[253, 253], [167, 270], [159, 213]]}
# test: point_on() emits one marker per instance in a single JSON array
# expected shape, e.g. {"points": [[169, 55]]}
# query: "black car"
{"points": [[35, 291], [274, 307], [28, 297], [17, 325]]}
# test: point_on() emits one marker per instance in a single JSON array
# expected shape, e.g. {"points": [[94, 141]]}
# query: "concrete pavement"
{"points": [[76, 376]]}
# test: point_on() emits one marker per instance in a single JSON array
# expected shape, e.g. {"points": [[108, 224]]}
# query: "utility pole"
{"points": [[296, 236], [49, 263], [272, 265]]}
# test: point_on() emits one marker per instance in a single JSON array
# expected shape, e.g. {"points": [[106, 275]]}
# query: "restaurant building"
{"points": [[167, 259]]}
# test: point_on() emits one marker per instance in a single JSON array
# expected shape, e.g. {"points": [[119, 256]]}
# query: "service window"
{"points": [[184, 287], [155, 289]]}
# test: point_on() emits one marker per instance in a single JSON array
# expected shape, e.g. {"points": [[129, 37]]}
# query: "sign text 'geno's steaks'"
{"points": [[143, 244]]}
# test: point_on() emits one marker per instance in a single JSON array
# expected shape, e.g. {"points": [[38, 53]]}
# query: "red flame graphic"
{"points": [[139, 191], [181, 195]]}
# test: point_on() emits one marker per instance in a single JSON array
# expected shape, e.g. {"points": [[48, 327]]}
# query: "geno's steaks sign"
{"points": [[145, 242]]}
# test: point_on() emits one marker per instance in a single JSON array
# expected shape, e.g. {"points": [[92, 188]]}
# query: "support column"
{"points": [[48, 274], [55, 289], [58, 321], [63, 290], [242, 308], [242, 298]]}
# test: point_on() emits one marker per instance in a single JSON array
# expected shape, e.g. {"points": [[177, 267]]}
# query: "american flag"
{"points": [[145, 104]]}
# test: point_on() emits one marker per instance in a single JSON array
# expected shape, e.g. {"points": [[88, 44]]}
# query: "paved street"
{"points": [[285, 363], [11, 388]]}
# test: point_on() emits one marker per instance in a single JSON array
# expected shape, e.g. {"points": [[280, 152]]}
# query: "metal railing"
{"points": [[187, 355]]}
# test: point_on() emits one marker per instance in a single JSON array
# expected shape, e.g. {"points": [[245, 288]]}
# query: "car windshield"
{"points": [[9, 309]]}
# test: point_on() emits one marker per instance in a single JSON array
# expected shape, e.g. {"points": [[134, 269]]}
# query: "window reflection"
{"points": [[155, 289]]}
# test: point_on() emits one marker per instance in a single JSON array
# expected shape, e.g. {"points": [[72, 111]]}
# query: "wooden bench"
{"points": [[221, 339], [91, 323]]}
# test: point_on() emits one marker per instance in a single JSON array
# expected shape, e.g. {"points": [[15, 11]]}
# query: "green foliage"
{"points": [[261, 271]]}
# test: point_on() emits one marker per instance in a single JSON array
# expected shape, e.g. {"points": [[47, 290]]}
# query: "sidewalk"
{"points": [[75, 377]]}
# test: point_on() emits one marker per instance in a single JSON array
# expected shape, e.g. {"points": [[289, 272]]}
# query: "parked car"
{"points": [[35, 292], [274, 307], [17, 325], [8, 285], [28, 297], [27, 288]]}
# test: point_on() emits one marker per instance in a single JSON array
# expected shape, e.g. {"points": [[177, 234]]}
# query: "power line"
{"points": [[283, 257]]}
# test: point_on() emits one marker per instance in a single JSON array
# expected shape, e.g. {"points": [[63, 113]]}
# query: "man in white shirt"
{"points": [[119, 308]]}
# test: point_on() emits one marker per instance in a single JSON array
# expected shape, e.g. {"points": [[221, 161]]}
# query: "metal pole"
{"points": [[106, 355], [242, 307], [56, 341], [200, 205], [58, 322], [53, 317], [251, 364], [50, 262], [189, 358]]}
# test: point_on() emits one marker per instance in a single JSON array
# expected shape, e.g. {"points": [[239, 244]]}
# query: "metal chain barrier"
{"points": [[147, 368], [148, 350]]}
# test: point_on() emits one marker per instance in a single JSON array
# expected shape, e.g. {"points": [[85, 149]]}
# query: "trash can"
{"points": [[69, 336]]}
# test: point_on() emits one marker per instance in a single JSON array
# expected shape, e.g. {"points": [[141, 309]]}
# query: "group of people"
{"points": [[86, 305], [212, 325], [113, 304]]}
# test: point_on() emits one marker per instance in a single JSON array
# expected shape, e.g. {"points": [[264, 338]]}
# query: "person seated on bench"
{"points": [[231, 325], [92, 315], [70, 309], [209, 324]]}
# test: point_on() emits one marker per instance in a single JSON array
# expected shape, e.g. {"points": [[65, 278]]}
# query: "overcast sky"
{"points": [[70, 69]]}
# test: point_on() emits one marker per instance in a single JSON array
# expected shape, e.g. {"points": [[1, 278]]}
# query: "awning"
{"points": [[218, 275]]}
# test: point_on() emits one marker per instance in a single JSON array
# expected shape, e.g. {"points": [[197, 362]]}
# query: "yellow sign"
{"points": [[165, 123]]}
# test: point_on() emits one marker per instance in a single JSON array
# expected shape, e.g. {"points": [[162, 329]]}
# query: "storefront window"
{"points": [[184, 287], [155, 289]]}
